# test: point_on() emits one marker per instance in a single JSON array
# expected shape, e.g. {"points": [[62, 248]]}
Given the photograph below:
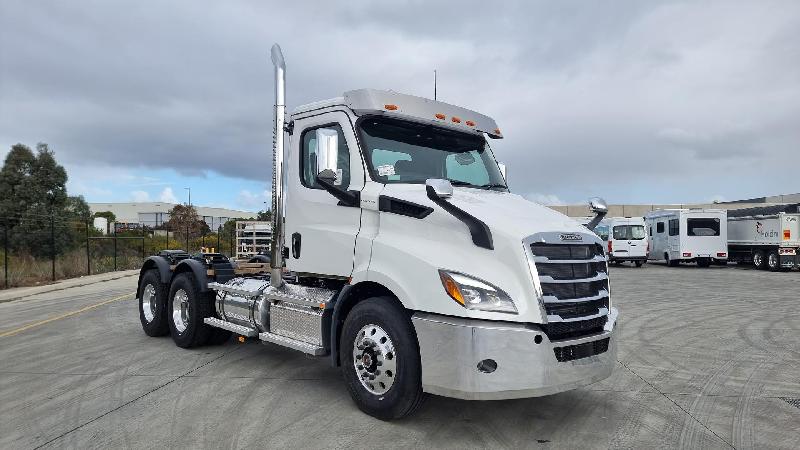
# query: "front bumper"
{"points": [[451, 349]]}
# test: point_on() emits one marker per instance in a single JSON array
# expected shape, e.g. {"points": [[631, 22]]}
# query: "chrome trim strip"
{"points": [[545, 260], [557, 318], [304, 347], [548, 279], [238, 329], [553, 299]]}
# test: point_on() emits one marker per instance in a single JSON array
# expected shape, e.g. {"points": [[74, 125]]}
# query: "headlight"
{"points": [[472, 293]]}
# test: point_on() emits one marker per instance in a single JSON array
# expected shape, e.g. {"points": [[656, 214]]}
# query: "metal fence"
{"points": [[42, 249]]}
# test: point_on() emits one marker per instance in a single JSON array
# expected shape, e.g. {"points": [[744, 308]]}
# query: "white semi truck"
{"points": [[399, 253], [767, 237]]}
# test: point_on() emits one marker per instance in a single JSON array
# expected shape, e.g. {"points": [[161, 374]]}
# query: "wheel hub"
{"points": [[149, 303], [180, 310], [374, 359]]}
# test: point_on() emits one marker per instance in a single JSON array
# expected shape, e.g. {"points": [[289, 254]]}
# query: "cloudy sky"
{"points": [[641, 102]]}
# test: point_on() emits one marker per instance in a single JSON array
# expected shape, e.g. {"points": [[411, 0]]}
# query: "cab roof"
{"points": [[404, 106]]}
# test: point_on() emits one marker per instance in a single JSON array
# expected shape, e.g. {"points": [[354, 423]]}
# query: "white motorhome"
{"points": [[626, 240], [688, 235], [767, 237], [400, 255]]}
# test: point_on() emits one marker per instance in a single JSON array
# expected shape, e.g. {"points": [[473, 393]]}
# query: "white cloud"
{"points": [[251, 200], [140, 196], [167, 196], [545, 199]]}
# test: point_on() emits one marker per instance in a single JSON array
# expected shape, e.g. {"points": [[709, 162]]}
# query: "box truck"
{"points": [[688, 235], [767, 237], [626, 240], [399, 254]]}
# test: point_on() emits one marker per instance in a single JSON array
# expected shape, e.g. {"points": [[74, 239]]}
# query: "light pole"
{"points": [[190, 195]]}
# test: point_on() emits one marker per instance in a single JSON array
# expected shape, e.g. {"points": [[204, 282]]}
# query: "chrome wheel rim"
{"points": [[374, 359], [772, 261], [180, 310], [149, 302], [758, 259]]}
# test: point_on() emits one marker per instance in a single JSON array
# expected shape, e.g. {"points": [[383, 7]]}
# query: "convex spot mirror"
{"points": [[439, 187], [598, 205], [328, 154]]}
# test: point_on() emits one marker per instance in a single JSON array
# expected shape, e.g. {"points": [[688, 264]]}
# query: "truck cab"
{"points": [[400, 254]]}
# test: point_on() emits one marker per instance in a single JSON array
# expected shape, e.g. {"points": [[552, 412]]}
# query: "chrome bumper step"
{"points": [[284, 341]]}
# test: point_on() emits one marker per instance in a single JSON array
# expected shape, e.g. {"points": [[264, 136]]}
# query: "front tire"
{"points": [[187, 307], [380, 359], [153, 304]]}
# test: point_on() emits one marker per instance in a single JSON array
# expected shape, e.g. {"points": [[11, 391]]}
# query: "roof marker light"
{"points": [[440, 116], [470, 123], [390, 107], [497, 131], [455, 119]]}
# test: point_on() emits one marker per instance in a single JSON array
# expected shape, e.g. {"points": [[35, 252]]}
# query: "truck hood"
{"points": [[504, 213]]}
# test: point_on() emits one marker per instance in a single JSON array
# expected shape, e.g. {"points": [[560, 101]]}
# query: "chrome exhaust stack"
{"points": [[276, 248]]}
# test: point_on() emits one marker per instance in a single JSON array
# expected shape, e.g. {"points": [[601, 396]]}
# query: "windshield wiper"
{"points": [[460, 183], [492, 186]]}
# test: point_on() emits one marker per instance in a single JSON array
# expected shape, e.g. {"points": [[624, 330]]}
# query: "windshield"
{"points": [[404, 152], [629, 232]]}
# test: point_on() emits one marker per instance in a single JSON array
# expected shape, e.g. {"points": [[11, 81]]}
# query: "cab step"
{"points": [[238, 329], [284, 341]]}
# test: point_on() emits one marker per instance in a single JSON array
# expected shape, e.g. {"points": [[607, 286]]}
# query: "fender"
{"points": [[199, 270], [155, 262], [338, 307]]}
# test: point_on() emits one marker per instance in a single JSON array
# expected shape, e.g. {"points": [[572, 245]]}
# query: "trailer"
{"points": [[688, 235], [399, 254], [767, 237]]}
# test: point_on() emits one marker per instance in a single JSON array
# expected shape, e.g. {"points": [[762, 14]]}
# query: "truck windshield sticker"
{"points": [[385, 170]]}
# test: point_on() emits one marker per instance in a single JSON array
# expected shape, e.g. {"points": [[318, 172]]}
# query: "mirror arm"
{"points": [[346, 198], [596, 220]]}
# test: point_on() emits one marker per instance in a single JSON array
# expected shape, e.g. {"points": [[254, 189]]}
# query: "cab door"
{"points": [[320, 233]]}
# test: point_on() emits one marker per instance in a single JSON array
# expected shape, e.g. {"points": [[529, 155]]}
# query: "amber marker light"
{"points": [[470, 123], [456, 119], [451, 288], [440, 116], [390, 107], [497, 131]]}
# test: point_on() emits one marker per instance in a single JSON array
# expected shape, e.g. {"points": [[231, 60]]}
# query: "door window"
{"points": [[629, 232], [660, 227], [674, 227], [308, 155]]}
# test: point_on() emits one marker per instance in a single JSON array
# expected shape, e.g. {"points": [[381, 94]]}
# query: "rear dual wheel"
{"points": [[760, 259], [153, 304], [773, 261], [187, 309]]}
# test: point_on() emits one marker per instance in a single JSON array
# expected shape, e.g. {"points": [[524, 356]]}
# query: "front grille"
{"points": [[568, 291], [569, 271], [566, 330], [567, 251], [578, 351], [572, 263]]}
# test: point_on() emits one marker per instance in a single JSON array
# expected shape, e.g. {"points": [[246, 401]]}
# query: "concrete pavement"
{"points": [[707, 357]]}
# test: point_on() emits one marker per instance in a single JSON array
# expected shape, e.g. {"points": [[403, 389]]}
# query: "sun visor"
{"points": [[373, 101]]}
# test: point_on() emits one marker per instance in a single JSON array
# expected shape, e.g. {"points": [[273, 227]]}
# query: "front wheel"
{"points": [[380, 359]]}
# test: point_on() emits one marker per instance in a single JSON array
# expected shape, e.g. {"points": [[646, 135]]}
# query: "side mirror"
{"points": [[503, 171], [598, 205], [439, 188], [328, 153]]}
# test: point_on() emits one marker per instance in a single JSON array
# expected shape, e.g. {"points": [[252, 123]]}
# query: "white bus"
{"points": [[688, 235]]}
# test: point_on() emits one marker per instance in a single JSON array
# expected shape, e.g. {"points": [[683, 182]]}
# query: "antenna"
{"points": [[434, 84]]}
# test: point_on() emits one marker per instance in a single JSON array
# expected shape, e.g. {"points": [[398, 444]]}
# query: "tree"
{"points": [[264, 216], [184, 219], [33, 198]]}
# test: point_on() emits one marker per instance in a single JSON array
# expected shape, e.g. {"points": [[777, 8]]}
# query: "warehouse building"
{"points": [[154, 214]]}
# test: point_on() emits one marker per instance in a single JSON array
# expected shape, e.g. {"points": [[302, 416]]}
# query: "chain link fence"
{"points": [[43, 249]]}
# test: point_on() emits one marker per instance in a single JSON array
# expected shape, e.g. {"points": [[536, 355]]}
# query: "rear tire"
{"points": [[384, 393], [186, 309], [760, 260], [703, 262], [153, 304], [671, 263], [773, 261], [638, 263]]}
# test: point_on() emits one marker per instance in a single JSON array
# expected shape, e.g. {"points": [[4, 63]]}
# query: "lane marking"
{"points": [[63, 316]]}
